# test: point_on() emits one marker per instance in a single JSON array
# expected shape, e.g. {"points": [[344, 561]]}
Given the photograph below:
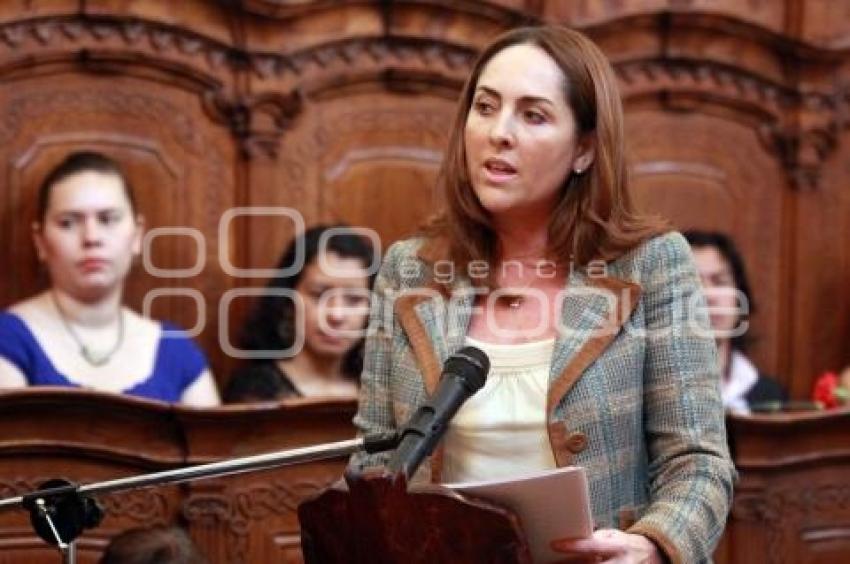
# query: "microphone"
{"points": [[463, 374]]}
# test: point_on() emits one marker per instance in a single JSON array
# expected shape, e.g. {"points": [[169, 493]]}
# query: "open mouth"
{"points": [[499, 167]]}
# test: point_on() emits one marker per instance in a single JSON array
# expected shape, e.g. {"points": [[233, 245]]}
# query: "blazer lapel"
{"points": [[592, 314], [436, 325]]}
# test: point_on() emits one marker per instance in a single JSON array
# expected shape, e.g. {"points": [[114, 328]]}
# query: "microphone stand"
{"points": [[61, 510]]}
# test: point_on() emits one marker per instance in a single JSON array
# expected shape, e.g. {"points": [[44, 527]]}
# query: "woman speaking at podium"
{"points": [[590, 313]]}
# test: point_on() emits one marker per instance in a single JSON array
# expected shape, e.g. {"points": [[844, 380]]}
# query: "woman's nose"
{"points": [[501, 130], [92, 233], [335, 309]]}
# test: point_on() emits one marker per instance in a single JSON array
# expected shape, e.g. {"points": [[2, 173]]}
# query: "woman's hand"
{"points": [[612, 546]]}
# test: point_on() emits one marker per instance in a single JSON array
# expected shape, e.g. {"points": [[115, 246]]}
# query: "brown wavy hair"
{"points": [[595, 217]]}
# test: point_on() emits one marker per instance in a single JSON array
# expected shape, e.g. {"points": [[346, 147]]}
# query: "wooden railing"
{"points": [[88, 437], [792, 500]]}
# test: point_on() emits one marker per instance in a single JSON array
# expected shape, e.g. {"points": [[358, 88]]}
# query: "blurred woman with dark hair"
{"points": [[731, 304], [305, 335]]}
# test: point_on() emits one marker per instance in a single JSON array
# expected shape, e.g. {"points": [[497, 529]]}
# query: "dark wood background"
{"points": [[737, 115]]}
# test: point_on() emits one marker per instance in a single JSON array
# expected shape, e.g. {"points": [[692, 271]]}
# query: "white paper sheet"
{"points": [[550, 505]]}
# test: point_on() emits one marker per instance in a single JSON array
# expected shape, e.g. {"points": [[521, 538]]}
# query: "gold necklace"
{"points": [[515, 301], [93, 358]]}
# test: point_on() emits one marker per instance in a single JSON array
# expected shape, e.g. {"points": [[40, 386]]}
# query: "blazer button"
{"points": [[577, 442]]}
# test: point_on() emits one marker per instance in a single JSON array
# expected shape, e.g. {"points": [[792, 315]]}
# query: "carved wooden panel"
{"points": [[377, 166], [91, 437], [762, 12], [792, 501], [252, 517], [68, 434], [821, 305]]}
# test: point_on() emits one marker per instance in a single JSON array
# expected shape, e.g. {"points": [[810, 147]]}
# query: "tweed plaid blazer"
{"points": [[633, 388]]}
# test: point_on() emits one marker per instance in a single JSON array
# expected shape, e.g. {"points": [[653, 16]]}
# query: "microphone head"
{"points": [[471, 365]]}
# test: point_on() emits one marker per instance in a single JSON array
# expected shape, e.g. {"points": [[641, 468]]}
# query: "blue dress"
{"points": [[178, 364]]}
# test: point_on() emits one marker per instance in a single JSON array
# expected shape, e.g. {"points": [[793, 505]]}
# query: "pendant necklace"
{"points": [[90, 356], [515, 301]]}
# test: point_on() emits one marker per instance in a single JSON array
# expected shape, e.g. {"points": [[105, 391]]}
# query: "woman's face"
{"points": [[89, 235], [521, 138], [335, 292], [718, 283]]}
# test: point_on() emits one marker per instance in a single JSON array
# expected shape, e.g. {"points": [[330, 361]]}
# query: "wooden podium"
{"points": [[374, 519]]}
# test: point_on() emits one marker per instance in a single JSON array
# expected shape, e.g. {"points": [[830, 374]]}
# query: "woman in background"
{"points": [[727, 292], [315, 349], [78, 332]]}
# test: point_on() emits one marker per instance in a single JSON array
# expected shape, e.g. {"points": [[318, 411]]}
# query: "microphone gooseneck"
{"points": [[464, 374]]}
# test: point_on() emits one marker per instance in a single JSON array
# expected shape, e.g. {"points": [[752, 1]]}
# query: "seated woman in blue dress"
{"points": [[78, 332]]}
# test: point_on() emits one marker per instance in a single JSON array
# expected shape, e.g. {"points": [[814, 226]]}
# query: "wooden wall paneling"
{"points": [[821, 332], [17, 10], [682, 118], [379, 110], [582, 13], [250, 84], [296, 60], [683, 171], [377, 163], [470, 24], [205, 19], [825, 23], [287, 30], [301, 26]]}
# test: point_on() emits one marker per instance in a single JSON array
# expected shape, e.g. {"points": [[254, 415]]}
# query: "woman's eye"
{"points": [[534, 117], [65, 222], [484, 107], [357, 300]]}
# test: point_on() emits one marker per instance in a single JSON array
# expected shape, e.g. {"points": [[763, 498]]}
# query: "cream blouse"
{"points": [[501, 430]]}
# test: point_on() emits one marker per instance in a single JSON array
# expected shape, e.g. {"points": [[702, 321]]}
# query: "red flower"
{"points": [[828, 391]]}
